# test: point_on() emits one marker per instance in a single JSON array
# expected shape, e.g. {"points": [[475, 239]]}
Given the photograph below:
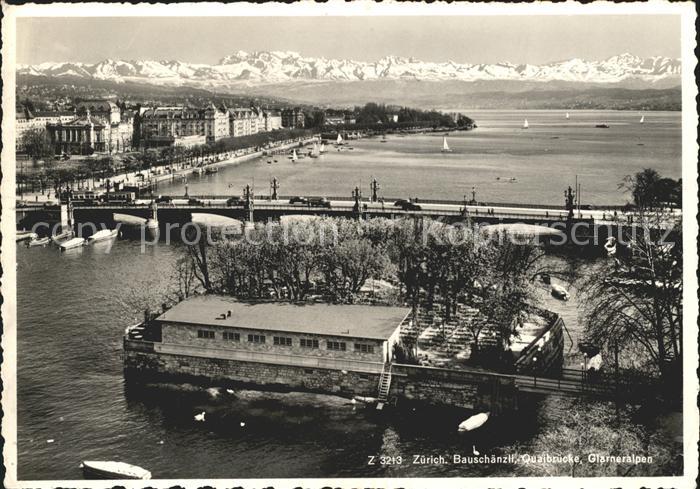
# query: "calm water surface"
{"points": [[544, 159], [73, 308], [72, 311]]}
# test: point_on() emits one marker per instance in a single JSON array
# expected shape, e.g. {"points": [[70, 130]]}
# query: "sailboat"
{"points": [[525, 124], [315, 152], [339, 141], [445, 147], [294, 156], [641, 121], [322, 149], [567, 115]]}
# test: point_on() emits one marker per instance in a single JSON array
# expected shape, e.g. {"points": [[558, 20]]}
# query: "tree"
{"points": [[36, 144], [649, 190], [634, 299], [347, 266]]}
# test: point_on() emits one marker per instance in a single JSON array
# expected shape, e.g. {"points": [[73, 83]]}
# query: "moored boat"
{"points": [[102, 235], [23, 235], [473, 422], [71, 243], [67, 234], [39, 241], [113, 470], [129, 220], [211, 171]]}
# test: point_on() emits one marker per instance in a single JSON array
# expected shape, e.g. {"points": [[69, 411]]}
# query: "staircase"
{"points": [[384, 386]]}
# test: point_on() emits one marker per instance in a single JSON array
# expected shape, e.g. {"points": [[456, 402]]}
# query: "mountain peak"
{"points": [[290, 66]]}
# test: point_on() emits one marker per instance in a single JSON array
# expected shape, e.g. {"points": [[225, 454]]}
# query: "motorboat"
{"points": [[113, 470], [473, 422], [602, 126], [211, 171], [39, 241], [71, 243], [102, 235], [24, 235]]}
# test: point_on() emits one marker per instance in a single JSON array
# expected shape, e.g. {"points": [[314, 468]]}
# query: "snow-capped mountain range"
{"points": [[279, 67]]}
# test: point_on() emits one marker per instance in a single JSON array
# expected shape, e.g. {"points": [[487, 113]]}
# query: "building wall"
{"points": [[188, 335], [545, 354], [146, 365], [460, 388]]}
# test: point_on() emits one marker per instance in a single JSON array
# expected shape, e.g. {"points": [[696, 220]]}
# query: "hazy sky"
{"points": [[483, 39]]}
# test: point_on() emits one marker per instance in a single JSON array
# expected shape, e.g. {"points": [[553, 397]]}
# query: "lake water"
{"points": [[72, 311], [73, 308], [544, 159]]}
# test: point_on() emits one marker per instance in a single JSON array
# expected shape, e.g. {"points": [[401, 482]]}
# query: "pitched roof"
{"points": [[352, 321]]}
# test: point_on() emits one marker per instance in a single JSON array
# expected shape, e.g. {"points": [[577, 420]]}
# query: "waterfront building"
{"points": [[84, 135], [244, 121], [293, 118], [26, 120], [119, 126], [162, 126], [272, 120], [312, 345]]}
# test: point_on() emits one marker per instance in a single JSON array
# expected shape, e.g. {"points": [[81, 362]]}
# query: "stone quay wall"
{"points": [[469, 389], [545, 354], [154, 366]]}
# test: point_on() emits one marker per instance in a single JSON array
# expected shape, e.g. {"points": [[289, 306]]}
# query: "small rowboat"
{"points": [[39, 241], [62, 235], [113, 470], [473, 422], [22, 235], [102, 235], [71, 243]]}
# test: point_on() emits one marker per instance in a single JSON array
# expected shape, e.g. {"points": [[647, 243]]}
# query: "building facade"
{"points": [[26, 120], [293, 118], [84, 135], [161, 126], [272, 120], [297, 345], [244, 121], [119, 126]]}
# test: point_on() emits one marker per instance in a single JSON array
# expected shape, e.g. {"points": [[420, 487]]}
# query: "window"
{"points": [[256, 338], [336, 345], [308, 343], [232, 336], [203, 333], [282, 340], [364, 348]]}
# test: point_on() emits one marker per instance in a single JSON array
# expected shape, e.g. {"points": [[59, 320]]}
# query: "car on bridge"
{"points": [[299, 200], [407, 205], [235, 201], [195, 202], [164, 199], [319, 202]]}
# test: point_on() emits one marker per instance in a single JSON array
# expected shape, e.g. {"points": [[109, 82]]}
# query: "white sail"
{"points": [[322, 149], [445, 147], [339, 140], [525, 124], [641, 121], [567, 115], [294, 155], [316, 151]]}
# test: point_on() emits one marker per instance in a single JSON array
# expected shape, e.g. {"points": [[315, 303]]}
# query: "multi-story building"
{"points": [[83, 135], [119, 127], [293, 118], [243, 121], [272, 120], [26, 120], [161, 126]]}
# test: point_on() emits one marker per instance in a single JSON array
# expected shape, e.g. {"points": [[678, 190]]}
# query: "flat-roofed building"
{"points": [[310, 345]]}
